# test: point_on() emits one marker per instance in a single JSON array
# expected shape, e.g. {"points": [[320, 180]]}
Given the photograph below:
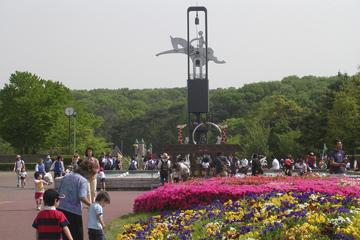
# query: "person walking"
{"points": [[19, 164], [51, 223], [164, 167], [89, 155], [39, 189], [75, 187]]}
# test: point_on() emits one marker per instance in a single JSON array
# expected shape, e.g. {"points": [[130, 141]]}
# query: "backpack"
{"points": [[164, 166]]}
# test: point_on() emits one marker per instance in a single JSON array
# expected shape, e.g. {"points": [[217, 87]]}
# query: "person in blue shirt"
{"points": [[40, 167], [47, 163], [75, 187], [337, 159]]}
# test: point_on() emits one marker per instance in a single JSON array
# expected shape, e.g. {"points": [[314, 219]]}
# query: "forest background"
{"points": [[294, 115]]}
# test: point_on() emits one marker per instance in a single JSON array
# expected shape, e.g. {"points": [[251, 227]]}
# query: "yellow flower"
{"points": [[213, 228], [233, 216], [126, 236], [227, 203], [316, 218]]}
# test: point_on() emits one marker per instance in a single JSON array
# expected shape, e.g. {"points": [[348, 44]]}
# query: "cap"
{"points": [[18, 156], [51, 194]]}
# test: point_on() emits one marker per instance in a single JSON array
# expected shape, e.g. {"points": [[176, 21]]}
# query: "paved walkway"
{"points": [[17, 207]]}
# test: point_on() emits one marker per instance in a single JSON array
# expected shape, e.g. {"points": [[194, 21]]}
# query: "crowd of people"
{"points": [[79, 181], [61, 215]]}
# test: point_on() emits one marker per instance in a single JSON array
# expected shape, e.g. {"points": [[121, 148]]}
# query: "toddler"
{"points": [[39, 189], [23, 176], [96, 222]]}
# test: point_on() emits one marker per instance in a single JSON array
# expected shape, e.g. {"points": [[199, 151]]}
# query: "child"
{"points": [[23, 176], [39, 189], [96, 223], [102, 178], [51, 223]]}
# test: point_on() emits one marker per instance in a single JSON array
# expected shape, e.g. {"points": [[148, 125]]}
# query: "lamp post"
{"points": [[74, 116], [69, 112]]}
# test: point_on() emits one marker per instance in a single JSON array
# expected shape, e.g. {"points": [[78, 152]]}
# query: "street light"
{"points": [[74, 115], [69, 112]]}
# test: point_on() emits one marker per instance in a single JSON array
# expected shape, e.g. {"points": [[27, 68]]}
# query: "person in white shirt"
{"points": [[96, 222], [275, 164], [102, 178]]}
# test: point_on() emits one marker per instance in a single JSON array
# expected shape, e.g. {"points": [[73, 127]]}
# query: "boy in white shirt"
{"points": [[96, 222]]}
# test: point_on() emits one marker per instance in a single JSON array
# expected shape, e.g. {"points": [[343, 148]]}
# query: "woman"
{"points": [[74, 187], [89, 155]]}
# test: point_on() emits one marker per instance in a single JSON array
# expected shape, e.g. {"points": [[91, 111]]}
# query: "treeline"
{"points": [[294, 115]]}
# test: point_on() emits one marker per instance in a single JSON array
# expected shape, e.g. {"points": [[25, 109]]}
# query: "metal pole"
{"points": [[74, 134], [69, 136]]}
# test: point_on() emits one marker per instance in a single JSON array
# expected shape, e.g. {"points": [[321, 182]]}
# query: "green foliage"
{"points": [[35, 120], [5, 147], [280, 117]]}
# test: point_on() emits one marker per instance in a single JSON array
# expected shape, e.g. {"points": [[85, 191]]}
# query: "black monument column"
{"points": [[197, 82]]}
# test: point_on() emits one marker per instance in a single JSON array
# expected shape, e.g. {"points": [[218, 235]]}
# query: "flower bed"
{"points": [[203, 192], [256, 215]]}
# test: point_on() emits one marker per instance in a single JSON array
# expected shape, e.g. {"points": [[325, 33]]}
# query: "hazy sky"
{"points": [[88, 44]]}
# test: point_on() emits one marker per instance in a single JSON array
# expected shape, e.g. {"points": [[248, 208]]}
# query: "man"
{"points": [[164, 167], [337, 159], [47, 163], [19, 164]]}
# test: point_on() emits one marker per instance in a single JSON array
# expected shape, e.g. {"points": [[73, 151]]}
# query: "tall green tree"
{"points": [[34, 117]]}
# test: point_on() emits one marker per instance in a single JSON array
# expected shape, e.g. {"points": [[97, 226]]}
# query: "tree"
{"points": [[34, 118]]}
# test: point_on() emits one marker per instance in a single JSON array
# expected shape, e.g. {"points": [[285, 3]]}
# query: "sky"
{"points": [[89, 44]]}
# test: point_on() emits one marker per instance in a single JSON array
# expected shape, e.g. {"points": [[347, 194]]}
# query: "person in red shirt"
{"points": [[50, 223], [288, 165]]}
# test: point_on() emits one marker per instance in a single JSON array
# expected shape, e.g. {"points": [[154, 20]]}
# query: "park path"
{"points": [[17, 207]]}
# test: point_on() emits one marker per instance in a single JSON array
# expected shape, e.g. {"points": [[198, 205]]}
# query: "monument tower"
{"points": [[198, 55]]}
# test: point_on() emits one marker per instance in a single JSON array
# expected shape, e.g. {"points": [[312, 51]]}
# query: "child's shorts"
{"points": [[22, 178], [39, 195], [102, 180]]}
